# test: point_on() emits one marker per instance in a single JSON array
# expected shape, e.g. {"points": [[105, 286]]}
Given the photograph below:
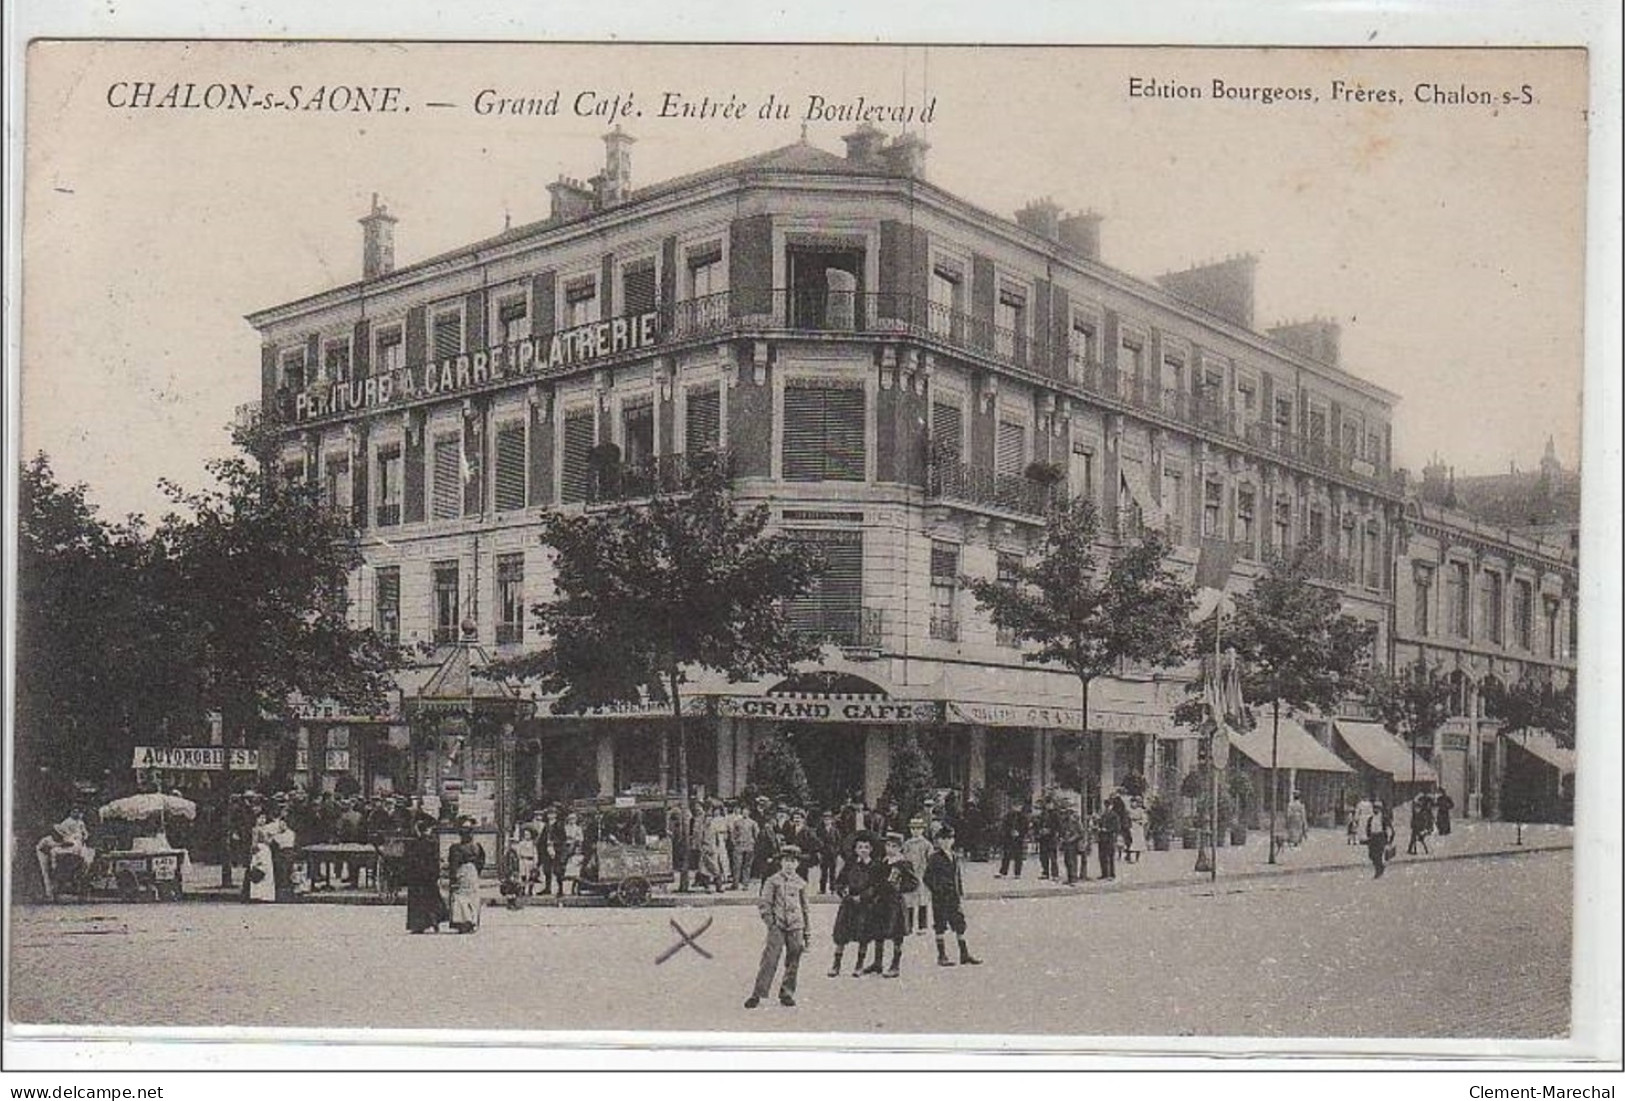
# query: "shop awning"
{"points": [[1297, 749], [1384, 752], [1044, 699], [1539, 743]]}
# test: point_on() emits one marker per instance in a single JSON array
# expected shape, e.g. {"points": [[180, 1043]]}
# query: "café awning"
{"points": [[1044, 699], [1540, 744], [1298, 749], [1384, 752]]}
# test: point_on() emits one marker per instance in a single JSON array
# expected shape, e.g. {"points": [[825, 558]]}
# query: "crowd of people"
{"points": [[1372, 824], [1066, 837]]}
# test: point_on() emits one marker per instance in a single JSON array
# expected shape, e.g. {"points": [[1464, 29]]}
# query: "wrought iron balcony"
{"points": [[984, 488], [945, 627], [660, 474], [849, 627]]}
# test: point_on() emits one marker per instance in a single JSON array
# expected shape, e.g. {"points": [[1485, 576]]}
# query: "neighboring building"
{"points": [[1482, 603], [902, 375]]}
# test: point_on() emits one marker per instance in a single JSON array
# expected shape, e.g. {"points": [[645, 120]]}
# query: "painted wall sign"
{"points": [[208, 758], [830, 711], [521, 359]]}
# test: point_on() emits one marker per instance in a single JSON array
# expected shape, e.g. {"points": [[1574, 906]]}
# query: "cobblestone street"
{"points": [[1465, 948]]}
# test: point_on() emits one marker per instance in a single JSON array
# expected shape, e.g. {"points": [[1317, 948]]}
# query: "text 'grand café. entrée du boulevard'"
{"points": [[888, 366]]}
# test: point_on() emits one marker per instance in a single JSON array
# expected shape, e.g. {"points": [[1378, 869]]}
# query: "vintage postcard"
{"points": [[1066, 547]]}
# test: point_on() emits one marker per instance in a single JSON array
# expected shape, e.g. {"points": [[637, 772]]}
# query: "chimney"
{"points": [[1318, 339], [1224, 287], [1081, 233], [617, 179], [377, 241], [863, 145], [905, 156], [572, 199], [1043, 217]]}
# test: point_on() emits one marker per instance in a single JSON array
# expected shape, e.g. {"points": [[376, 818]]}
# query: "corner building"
{"points": [[907, 380]]}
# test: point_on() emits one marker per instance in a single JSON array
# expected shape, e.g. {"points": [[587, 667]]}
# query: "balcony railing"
{"points": [[388, 515], [945, 627], [856, 628], [644, 478], [820, 310], [980, 486]]}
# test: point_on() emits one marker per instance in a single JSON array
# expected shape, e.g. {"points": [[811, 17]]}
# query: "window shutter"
{"points": [[702, 429], [510, 485], [578, 431], [823, 433], [448, 487], [1012, 445], [803, 434], [448, 335], [944, 563], [947, 432], [831, 608], [843, 435], [639, 286]]}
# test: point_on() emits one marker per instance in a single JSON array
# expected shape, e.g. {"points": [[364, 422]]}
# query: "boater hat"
{"points": [[790, 850]]}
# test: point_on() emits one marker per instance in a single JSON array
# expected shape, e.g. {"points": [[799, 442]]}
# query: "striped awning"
{"points": [[1384, 752], [1297, 748]]}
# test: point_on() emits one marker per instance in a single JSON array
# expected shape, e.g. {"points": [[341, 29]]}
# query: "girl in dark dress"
{"points": [[855, 885], [425, 909]]}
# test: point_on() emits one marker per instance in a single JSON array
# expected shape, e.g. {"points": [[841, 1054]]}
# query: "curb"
{"points": [[745, 898]]}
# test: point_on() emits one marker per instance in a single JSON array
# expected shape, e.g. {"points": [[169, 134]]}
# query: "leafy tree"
{"points": [[229, 606], [911, 779], [649, 594], [1295, 646], [1085, 607], [1413, 704], [775, 771], [1533, 703]]}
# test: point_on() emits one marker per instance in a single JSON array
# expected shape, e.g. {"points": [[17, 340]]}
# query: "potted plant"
{"points": [[1159, 823], [1240, 790]]}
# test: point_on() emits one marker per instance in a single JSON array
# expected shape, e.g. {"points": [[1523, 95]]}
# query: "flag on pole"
{"points": [[1222, 693], [1214, 563]]}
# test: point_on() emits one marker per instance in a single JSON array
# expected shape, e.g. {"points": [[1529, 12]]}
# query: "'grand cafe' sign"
{"points": [[520, 359]]}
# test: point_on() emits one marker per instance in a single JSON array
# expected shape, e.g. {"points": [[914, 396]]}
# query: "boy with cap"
{"points": [[895, 884], [783, 906], [944, 880]]}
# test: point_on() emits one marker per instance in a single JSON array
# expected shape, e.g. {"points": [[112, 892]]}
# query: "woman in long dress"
{"points": [[714, 867], [425, 909], [465, 862], [259, 884]]}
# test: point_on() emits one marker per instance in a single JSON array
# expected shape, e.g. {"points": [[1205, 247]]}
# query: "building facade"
{"points": [[1483, 603], [907, 380]]}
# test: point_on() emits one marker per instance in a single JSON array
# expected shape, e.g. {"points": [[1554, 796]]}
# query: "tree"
{"points": [[1413, 704], [230, 606], [650, 593], [1295, 646], [775, 771], [1086, 607], [1533, 702], [911, 779]]}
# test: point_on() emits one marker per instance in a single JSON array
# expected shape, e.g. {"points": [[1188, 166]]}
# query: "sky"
{"points": [[1447, 240]]}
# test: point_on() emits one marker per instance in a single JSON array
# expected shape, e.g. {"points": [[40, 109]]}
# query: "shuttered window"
{"points": [[947, 432], [510, 598], [1012, 448], [832, 607], [448, 334], [578, 431], [638, 288], [510, 488], [638, 431], [387, 604], [823, 432], [446, 602], [448, 484], [702, 421]]}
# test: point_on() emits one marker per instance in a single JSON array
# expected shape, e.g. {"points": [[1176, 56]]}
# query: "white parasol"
{"points": [[149, 804]]}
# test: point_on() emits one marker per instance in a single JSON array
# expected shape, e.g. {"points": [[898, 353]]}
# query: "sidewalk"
{"points": [[1323, 851]]}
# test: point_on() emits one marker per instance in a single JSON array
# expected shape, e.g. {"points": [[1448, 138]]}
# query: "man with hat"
{"points": [[783, 906], [829, 850], [801, 835], [945, 880]]}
